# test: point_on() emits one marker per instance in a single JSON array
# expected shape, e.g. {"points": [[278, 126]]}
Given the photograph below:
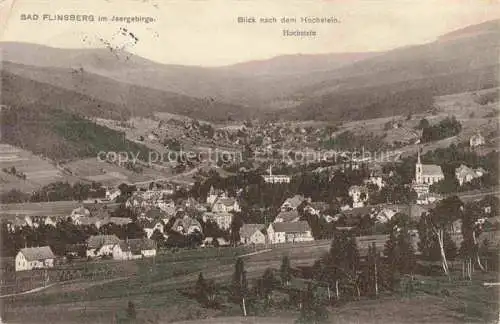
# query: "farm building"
{"points": [[101, 245], [134, 249], [34, 258], [252, 234], [286, 232]]}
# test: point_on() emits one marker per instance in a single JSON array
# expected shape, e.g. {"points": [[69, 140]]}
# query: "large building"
{"points": [[284, 232], [427, 174], [275, 178], [34, 258]]}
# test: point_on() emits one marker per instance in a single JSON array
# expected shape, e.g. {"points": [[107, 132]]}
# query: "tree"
{"points": [[131, 313], [159, 238], [240, 284], [471, 229], [285, 271], [312, 310], [266, 285], [438, 221], [424, 123], [236, 224], [201, 289]]}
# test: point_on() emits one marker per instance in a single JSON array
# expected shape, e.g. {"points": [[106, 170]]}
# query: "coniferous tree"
{"points": [[285, 271]]}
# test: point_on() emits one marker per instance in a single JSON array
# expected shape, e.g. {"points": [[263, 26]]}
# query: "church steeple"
{"points": [[418, 157]]}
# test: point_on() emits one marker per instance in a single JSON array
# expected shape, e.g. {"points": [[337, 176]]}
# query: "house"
{"points": [[384, 215], [150, 227], [214, 194], [252, 234], [226, 205], [223, 220], [210, 241], [50, 221], [292, 203], [316, 208], [122, 221], [287, 216], [134, 249], [359, 195], [79, 212], [289, 232], [112, 195], [376, 177], [34, 258], [87, 221], [275, 178], [476, 140], [187, 225], [101, 245], [465, 174]]}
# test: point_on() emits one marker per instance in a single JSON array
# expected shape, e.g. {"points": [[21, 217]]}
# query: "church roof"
{"points": [[431, 170]]}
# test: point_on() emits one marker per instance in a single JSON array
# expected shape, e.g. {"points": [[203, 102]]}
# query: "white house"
{"points": [[101, 245], [292, 203], [187, 225], [34, 258], [476, 140], [359, 195], [223, 220], [465, 174], [214, 194], [289, 232], [252, 234], [275, 178], [134, 249], [150, 227], [226, 205]]}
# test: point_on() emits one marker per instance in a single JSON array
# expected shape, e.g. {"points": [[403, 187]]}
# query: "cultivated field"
{"points": [[153, 286], [38, 171]]}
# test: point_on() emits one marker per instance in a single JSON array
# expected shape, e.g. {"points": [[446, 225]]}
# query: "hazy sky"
{"points": [[206, 32]]}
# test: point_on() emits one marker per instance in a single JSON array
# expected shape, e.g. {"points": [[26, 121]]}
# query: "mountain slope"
{"points": [[60, 135], [241, 84], [393, 82], [97, 96]]}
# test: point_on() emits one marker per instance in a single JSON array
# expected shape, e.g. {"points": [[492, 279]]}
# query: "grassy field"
{"points": [[153, 285], [39, 172]]}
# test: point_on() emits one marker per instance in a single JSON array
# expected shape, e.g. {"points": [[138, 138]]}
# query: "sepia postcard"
{"points": [[249, 161]]}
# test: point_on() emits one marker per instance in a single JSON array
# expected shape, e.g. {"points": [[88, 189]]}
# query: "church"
{"points": [[427, 174]]}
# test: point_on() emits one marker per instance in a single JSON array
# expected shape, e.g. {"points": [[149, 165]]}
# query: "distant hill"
{"points": [[97, 96], [251, 84], [60, 135], [404, 80], [321, 86], [286, 65]]}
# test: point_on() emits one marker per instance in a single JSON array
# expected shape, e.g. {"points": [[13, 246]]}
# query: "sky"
{"points": [[206, 32]]}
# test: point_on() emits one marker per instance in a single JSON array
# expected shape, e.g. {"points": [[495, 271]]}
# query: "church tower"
{"points": [[418, 169]]}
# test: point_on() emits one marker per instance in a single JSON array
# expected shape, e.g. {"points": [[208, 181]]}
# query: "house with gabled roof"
{"points": [[287, 216], [150, 227], [186, 225], [34, 258], [132, 249], [465, 174], [286, 232], [101, 245], [226, 205], [252, 234], [292, 203]]}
